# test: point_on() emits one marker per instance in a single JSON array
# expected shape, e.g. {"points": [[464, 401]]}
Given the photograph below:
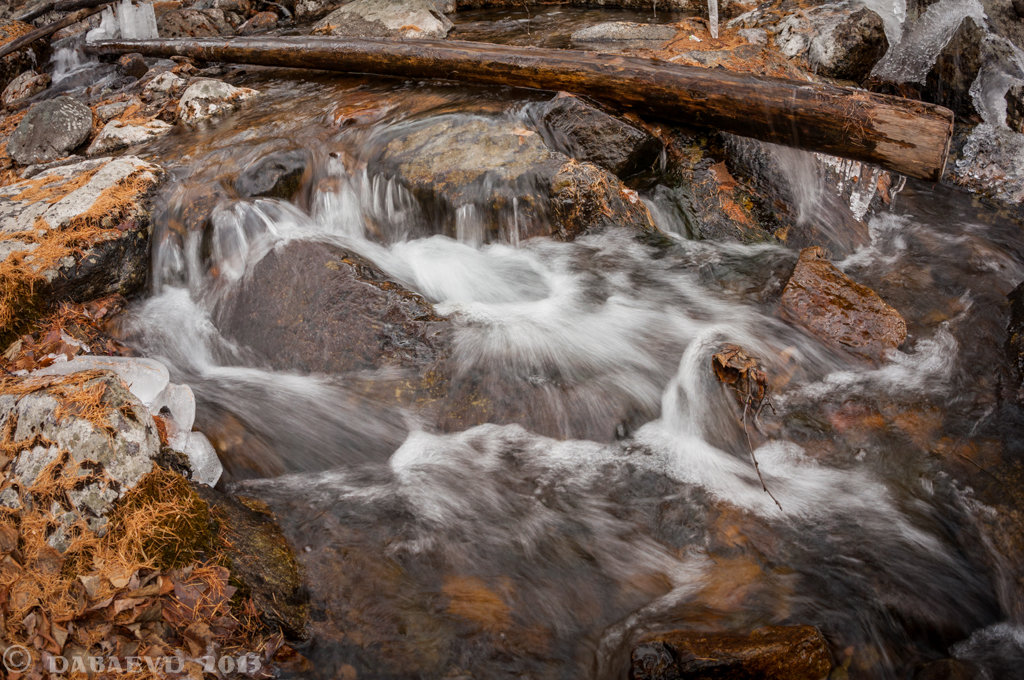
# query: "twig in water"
{"points": [[750, 447]]}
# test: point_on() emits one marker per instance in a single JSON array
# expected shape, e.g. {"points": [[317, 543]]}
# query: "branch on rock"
{"points": [[906, 136], [58, 6], [49, 29]]}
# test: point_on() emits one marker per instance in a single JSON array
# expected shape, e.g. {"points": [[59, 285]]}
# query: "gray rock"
{"points": [[51, 129], [163, 86], [117, 135], [24, 86], [838, 40], [112, 260], [206, 99], [494, 178], [107, 111], [117, 443], [623, 35], [585, 132], [276, 175], [386, 19]]}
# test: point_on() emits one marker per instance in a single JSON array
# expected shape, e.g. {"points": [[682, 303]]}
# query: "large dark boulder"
{"points": [[773, 652], [313, 307], [585, 132], [50, 130]]}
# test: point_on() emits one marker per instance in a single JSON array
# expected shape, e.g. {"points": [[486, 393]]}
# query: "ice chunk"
{"points": [[206, 466], [146, 378], [136, 23], [179, 401]]}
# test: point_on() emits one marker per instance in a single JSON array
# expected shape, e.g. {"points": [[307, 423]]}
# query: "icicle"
{"points": [[713, 18]]}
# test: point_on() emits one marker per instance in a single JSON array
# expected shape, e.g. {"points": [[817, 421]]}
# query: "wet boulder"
{"points": [[74, 232], [50, 130], [33, 56], [840, 311], [206, 99], [838, 40], [313, 307], [132, 65], [585, 132], [617, 36], [497, 179], [957, 67], [117, 135], [776, 652], [385, 19], [276, 175], [261, 560], [27, 85], [88, 422]]}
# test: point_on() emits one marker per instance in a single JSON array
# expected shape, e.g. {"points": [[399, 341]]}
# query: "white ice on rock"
{"points": [[911, 57], [149, 381], [126, 21]]}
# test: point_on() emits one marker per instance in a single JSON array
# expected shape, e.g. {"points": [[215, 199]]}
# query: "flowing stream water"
{"points": [[620, 498]]}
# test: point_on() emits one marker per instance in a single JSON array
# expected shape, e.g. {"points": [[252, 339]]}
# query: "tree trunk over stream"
{"points": [[906, 136]]}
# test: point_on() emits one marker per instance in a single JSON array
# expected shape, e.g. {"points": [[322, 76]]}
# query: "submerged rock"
{"points": [[24, 86], [495, 177], [206, 99], [33, 56], [315, 307], [623, 35], [92, 418], [386, 19], [117, 135], [585, 132], [51, 129], [276, 175], [776, 652], [839, 310]]}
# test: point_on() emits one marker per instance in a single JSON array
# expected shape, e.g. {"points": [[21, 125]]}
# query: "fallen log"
{"points": [[49, 29], [58, 6], [906, 136]]}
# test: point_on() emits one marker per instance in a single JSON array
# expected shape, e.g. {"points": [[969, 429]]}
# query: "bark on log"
{"points": [[58, 6], [907, 136], [48, 30]]}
